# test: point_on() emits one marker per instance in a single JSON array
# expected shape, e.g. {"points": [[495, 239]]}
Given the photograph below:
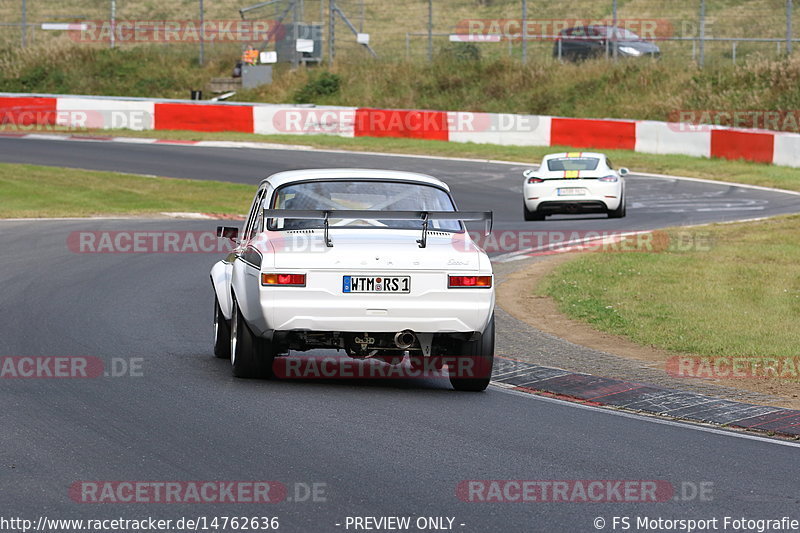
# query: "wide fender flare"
{"points": [[221, 282]]}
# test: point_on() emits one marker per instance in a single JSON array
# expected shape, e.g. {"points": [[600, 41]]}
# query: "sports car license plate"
{"points": [[573, 191], [396, 284]]}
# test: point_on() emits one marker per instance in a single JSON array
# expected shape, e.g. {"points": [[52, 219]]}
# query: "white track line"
{"points": [[567, 246]]}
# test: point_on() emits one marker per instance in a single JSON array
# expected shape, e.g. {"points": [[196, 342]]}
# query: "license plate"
{"points": [[362, 284], [571, 192]]}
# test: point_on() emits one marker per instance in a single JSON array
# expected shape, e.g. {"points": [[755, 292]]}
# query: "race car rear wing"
{"points": [[367, 214]]}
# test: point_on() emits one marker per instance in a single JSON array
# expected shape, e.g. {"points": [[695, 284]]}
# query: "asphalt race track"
{"points": [[388, 448], [652, 202]]}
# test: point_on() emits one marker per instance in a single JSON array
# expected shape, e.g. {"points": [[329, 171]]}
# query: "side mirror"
{"points": [[624, 171], [227, 232], [528, 173]]}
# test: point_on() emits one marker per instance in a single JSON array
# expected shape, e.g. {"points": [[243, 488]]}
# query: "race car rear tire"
{"points": [[222, 333], [531, 215], [620, 211], [480, 356], [251, 356]]}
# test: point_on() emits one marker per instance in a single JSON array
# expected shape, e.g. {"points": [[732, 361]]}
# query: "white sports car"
{"points": [[372, 262], [574, 183]]}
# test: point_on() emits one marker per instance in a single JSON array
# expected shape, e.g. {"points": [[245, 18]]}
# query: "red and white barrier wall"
{"points": [[31, 112]]}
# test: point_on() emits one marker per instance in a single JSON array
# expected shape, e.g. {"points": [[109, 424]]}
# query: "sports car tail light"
{"points": [[535, 180], [610, 179], [469, 282], [291, 280]]}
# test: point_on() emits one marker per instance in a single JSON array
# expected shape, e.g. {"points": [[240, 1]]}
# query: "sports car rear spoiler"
{"points": [[354, 214]]}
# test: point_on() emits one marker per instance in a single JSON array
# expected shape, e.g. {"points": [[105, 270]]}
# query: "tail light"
{"points": [[535, 180], [609, 179], [290, 280], [469, 282]]}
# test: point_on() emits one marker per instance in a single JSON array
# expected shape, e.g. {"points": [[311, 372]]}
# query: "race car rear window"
{"points": [[364, 194], [572, 163]]}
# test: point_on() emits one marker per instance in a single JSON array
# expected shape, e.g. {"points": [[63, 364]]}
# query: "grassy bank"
{"points": [[654, 90], [737, 294], [157, 71], [676, 165], [644, 89], [36, 191]]}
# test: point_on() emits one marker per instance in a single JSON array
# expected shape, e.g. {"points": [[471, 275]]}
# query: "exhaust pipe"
{"points": [[404, 339]]}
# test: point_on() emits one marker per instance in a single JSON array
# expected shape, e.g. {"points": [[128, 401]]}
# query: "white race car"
{"points": [[372, 262], [574, 183]]}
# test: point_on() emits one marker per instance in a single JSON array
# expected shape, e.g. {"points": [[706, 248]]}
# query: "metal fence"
{"points": [[703, 31]]}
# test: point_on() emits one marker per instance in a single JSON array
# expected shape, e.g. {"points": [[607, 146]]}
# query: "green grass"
{"points": [[36, 191], [715, 169], [739, 296]]}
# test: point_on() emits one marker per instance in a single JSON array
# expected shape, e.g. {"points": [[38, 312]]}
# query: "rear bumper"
{"points": [[599, 197], [388, 324], [551, 204], [572, 207], [322, 306]]}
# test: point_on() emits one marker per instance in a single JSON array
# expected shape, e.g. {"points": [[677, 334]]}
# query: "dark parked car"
{"points": [[584, 42]]}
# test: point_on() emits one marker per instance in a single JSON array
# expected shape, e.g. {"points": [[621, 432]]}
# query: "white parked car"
{"points": [[574, 183], [372, 262]]}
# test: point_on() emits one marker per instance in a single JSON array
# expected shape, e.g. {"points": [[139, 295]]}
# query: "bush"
{"points": [[321, 85], [460, 52]]}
